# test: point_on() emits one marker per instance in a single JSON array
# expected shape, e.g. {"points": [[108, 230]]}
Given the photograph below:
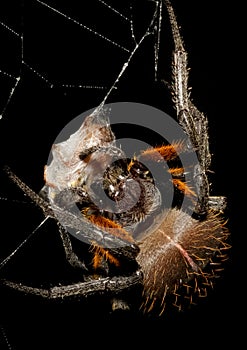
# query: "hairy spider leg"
{"points": [[100, 254], [111, 227], [168, 153], [177, 173]]}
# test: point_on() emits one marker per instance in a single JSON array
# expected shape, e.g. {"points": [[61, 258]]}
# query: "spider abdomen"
{"points": [[181, 258]]}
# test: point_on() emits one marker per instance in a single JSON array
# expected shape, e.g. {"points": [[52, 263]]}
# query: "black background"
{"points": [[64, 52]]}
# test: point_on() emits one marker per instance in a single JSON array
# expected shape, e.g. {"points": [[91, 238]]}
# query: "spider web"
{"points": [[79, 52], [58, 59]]}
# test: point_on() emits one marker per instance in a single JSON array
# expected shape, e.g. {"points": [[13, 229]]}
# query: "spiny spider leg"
{"points": [[71, 257], [108, 285], [39, 201], [192, 120]]}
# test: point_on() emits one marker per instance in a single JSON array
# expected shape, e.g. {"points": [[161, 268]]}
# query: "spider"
{"points": [[134, 240]]}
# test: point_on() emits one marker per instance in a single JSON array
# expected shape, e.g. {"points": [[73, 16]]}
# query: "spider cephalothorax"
{"points": [[114, 203]]}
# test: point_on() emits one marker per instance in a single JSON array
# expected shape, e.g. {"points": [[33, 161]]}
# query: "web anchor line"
{"points": [[149, 31]]}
